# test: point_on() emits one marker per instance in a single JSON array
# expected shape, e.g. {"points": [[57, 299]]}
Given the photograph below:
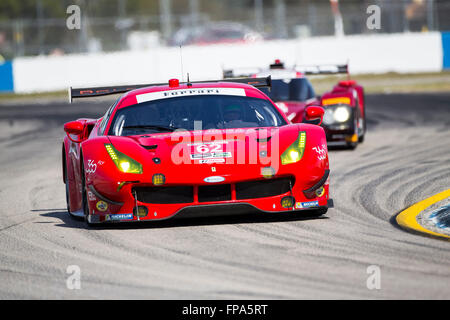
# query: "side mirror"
{"points": [[75, 128], [314, 114]]}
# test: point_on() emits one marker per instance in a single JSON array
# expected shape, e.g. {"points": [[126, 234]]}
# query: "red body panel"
{"points": [[105, 183], [354, 130], [295, 110], [350, 87], [351, 131]]}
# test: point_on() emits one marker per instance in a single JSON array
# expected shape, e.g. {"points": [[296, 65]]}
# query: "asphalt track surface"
{"points": [[405, 158]]}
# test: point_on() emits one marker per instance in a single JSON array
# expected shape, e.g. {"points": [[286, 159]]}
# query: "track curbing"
{"points": [[407, 218]]}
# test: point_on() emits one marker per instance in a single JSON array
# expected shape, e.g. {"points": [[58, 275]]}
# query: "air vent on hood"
{"points": [[150, 147]]}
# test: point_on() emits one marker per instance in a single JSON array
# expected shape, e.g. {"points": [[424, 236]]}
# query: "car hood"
{"points": [[196, 156], [294, 110]]}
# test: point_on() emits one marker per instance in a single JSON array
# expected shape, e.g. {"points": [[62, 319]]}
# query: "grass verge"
{"points": [[372, 83]]}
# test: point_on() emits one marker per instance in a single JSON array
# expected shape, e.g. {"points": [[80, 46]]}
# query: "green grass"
{"points": [[390, 82], [32, 96]]}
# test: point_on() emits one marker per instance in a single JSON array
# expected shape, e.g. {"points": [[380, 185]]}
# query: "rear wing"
{"points": [[75, 93], [323, 69], [304, 70]]}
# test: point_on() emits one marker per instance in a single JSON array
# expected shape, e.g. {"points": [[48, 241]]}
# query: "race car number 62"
{"points": [[207, 149]]}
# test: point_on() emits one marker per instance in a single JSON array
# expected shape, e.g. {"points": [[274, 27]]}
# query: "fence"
{"points": [[277, 19], [365, 54]]}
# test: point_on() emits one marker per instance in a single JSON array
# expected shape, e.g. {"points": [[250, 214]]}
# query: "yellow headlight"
{"points": [[295, 156], [125, 165], [123, 162], [294, 152]]}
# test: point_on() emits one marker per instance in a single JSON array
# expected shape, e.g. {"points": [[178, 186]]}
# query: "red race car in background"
{"points": [[167, 150], [344, 119]]}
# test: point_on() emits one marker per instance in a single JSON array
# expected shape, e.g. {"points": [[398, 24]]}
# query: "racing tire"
{"points": [[67, 187], [361, 138], [352, 145]]}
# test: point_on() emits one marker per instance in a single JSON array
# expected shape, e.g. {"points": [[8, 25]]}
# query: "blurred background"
{"points": [[38, 27], [48, 45]]}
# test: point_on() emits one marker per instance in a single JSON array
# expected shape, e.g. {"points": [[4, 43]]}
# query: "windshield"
{"points": [[195, 113], [298, 89]]}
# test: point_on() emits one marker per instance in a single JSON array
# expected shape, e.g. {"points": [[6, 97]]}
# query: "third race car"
{"points": [[344, 120]]}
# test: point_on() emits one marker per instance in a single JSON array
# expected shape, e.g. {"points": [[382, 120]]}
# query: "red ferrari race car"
{"points": [[344, 119], [189, 149]]}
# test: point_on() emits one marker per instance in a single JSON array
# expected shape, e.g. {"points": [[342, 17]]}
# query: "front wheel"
{"points": [[84, 195], [66, 178], [67, 187], [362, 130], [353, 143]]}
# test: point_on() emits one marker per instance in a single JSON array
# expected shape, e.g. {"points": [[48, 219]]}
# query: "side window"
{"points": [[101, 128]]}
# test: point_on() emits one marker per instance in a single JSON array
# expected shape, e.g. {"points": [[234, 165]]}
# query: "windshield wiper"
{"points": [[155, 127]]}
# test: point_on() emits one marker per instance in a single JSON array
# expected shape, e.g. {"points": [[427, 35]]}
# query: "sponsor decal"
{"points": [[91, 167], [102, 206], [91, 196], [207, 148], [214, 179], [208, 151], [304, 205], [210, 155], [120, 216], [320, 191], [215, 142], [321, 151], [189, 92], [221, 160]]}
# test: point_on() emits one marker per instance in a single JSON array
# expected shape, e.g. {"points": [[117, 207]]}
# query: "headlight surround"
{"points": [[336, 114], [328, 117], [123, 162], [294, 152]]}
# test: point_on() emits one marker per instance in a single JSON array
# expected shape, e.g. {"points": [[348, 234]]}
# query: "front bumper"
{"points": [[341, 131], [209, 200], [210, 210]]}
